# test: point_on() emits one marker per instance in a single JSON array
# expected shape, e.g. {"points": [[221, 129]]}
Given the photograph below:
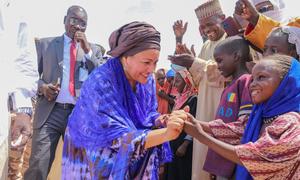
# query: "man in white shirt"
{"points": [[19, 77]]}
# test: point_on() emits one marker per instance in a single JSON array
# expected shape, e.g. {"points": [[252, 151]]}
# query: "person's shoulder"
{"points": [[47, 40], [245, 78], [192, 99]]}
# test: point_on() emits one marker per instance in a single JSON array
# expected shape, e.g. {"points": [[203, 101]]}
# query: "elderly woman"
{"points": [[109, 133], [271, 142]]}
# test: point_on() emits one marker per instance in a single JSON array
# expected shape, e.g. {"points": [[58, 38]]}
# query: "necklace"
{"points": [[269, 119]]}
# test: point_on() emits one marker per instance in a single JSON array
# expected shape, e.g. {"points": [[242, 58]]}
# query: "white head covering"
{"points": [[278, 12], [293, 36]]}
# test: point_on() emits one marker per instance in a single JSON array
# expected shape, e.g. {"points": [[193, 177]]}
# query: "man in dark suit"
{"points": [[64, 63]]}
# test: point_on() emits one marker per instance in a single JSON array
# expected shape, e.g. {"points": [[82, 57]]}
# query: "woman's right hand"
{"points": [[175, 125]]}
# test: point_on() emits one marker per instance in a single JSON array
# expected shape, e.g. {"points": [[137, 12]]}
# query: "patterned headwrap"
{"points": [[133, 38], [188, 91]]}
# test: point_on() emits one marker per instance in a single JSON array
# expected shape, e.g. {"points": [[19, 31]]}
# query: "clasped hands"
{"points": [[180, 120]]}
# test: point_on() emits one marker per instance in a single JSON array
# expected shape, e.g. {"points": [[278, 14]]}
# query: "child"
{"points": [[182, 147], [231, 56], [162, 86], [271, 142]]}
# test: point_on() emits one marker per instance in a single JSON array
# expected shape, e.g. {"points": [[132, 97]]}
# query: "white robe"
{"points": [[211, 84]]}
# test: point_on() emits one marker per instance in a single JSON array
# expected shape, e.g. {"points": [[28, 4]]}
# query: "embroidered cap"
{"points": [[208, 9]]}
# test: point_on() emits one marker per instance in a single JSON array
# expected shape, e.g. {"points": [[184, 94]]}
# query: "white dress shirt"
{"points": [[64, 95], [18, 73]]}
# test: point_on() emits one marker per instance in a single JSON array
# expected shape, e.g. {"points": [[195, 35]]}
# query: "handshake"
{"points": [[177, 121]]}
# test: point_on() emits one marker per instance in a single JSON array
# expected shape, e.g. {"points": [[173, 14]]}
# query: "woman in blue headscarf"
{"points": [[110, 131], [270, 146]]}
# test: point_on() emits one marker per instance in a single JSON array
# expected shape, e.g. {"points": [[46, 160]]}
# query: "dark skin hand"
{"points": [[81, 38], [50, 91], [247, 11], [181, 151], [182, 49], [179, 30], [194, 129], [185, 60], [184, 56], [21, 125]]}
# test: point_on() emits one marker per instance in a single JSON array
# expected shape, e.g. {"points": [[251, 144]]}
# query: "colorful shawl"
{"points": [[188, 91], [285, 99], [109, 109]]}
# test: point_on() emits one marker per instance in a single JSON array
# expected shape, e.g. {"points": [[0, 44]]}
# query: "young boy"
{"points": [[231, 56]]}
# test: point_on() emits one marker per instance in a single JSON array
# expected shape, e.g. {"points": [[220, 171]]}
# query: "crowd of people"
{"points": [[231, 112]]}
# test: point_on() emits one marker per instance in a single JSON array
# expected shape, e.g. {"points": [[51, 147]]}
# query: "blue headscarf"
{"points": [[285, 99], [170, 73]]}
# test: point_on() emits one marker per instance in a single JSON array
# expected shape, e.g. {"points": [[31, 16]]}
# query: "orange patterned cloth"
{"points": [[163, 104]]}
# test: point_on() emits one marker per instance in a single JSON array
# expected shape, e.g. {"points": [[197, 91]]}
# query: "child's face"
{"points": [[276, 44], [160, 77], [226, 62], [265, 81], [179, 83]]}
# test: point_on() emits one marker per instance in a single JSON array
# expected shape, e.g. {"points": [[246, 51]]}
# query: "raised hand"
{"points": [[179, 28], [182, 49], [185, 60], [247, 11]]}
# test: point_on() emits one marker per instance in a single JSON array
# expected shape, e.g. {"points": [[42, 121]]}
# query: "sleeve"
{"points": [[25, 68], [193, 105], [96, 58], [229, 132], [245, 106], [197, 70], [38, 44], [258, 34], [275, 151]]}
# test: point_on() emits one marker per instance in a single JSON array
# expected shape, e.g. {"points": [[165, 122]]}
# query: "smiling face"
{"points": [[75, 20], [140, 66], [211, 27], [265, 80]]}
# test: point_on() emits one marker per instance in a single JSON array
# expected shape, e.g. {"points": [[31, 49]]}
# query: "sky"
{"points": [[45, 18]]}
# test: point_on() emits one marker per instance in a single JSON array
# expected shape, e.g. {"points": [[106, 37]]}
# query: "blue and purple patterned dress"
{"points": [[106, 131]]}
